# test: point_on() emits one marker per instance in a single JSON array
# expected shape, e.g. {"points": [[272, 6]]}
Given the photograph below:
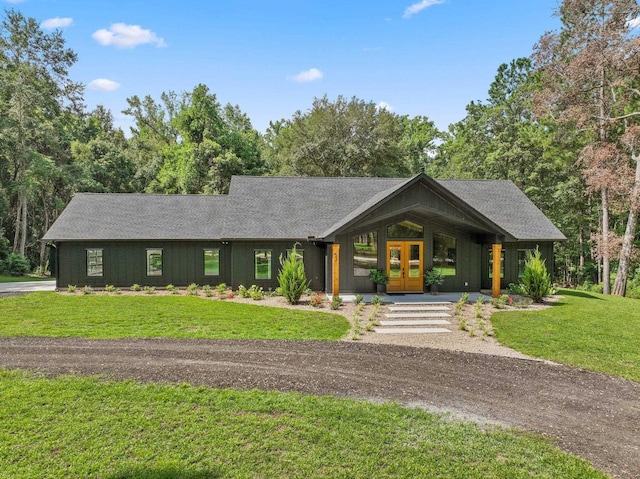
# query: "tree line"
{"points": [[562, 124]]}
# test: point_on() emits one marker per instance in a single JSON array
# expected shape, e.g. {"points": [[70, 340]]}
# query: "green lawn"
{"points": [[102, 316], [16, 279], [589, 330], [87, 428]]}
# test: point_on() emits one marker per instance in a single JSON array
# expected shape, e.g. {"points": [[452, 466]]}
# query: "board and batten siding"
{"points": [[243, 266], [124, 263], [511, 261]]}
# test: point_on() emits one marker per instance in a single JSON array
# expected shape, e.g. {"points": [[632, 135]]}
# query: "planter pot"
{"points": [[434, 289], [380, 288]]}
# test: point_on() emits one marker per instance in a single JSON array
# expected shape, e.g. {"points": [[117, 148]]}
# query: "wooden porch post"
{"points": [[497, 260], [335, 270]]}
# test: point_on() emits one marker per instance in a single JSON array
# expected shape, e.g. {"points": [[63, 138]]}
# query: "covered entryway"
{"points": [[405, 266]]}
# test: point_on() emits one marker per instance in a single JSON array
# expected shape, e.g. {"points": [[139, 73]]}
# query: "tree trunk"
{"points": [[606, 267], [620, 285], [580, 279], [20, 235], [43, 245]]}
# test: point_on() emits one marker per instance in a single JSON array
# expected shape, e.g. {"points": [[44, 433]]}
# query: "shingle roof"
{"points": [[280, 208], [292, 207], [120, 216], [503, 203]]}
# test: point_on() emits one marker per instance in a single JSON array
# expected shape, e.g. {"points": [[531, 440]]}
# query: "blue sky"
{"points": [[418, 57]]}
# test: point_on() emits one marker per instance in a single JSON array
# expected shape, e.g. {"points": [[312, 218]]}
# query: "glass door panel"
{"points": [[404, 266]]}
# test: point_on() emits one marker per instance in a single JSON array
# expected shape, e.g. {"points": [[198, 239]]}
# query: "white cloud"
{"points": [[418, 7], [57, 22], [102, 84], [383, 105], [305, 76], [634, 23], [122, 35]]}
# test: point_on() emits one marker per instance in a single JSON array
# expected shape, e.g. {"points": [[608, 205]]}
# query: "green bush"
{"points": [[536, 281], [292, 278], [15, 265], [336, 302]]}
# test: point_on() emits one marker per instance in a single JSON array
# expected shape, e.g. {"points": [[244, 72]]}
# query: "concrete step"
{"points": [[435, 303], [419, 308], [417, 315], [414, 322], [411, 330]]}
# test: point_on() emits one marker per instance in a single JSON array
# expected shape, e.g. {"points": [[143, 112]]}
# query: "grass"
{"points": [[87, 428], [16, 279], [588, 330], [92, 316]]}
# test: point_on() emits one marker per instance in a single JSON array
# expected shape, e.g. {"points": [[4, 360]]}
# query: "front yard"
{"points": [[141, 316], [87, 428], [587, 330]]}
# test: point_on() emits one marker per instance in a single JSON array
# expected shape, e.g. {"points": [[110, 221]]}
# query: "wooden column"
{"points": [[335, 270], [497, 260]]}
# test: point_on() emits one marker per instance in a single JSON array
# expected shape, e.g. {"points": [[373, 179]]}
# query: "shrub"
{"points": [[256, 293], [192, 289], [149, 290], [358, 299], [206, 289], [316, 299], [87, 290], [221, 288], [292, 278], [172, 289], [377, 300], [336, 302], [243, 292], [515, 289], [71, 288], [501, 302], [109, 288], [135, 287], [464, 298], [536, 281], [15, 265]]}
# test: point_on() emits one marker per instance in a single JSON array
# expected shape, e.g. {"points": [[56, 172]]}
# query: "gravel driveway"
{"points": [[589, 414]]}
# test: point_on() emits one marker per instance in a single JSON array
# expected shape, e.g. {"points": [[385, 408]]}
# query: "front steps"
{"points": [[416, 318]]}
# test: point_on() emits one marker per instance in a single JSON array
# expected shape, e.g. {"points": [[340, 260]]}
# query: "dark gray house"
{"points": [[344, 226]]}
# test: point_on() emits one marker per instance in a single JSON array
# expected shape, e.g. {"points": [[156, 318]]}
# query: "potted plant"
{"points": [[380, 277], [433, 278]]}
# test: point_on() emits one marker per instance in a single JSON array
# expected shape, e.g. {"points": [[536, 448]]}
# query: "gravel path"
{"points": [[589, 414]]}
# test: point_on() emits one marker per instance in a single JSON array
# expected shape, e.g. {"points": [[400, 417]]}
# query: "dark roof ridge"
{"points": [[163, 195], [383, 178]]}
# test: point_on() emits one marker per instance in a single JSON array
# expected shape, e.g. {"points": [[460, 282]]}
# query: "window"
{"points": [[263, 264], [211, 262], [365, 253], [444, 254], [523, 255], [405, 229], [154, 262], [491, 263], [94, 262]]}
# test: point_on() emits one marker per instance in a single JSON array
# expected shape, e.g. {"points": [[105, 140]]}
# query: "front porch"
{"points": [[392, 298]]}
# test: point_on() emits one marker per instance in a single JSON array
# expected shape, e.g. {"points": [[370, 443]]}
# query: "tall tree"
{"points": [[589, 70], [189, 143], [500, 139], [34, 90], [341, 138]]}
